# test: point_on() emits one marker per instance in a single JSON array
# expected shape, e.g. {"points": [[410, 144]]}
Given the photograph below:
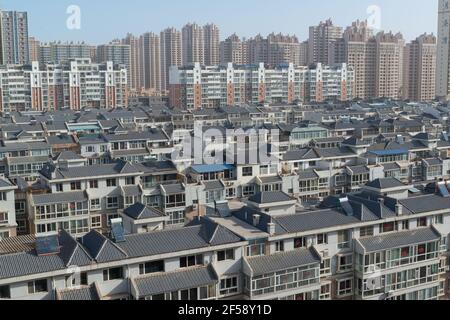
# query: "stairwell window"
{"points": [[191, 261], [112, 274], [228, 286], [345, 287], [111, 183], [343, 239], [225, 255], [37, 286], [5, 292]]}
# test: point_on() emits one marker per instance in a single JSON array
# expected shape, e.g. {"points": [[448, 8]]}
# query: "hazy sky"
{"points": [[104, 20]]}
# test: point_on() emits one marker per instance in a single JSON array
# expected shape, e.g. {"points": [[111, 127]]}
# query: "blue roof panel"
{"points": [[389, 152], [208, 168]]}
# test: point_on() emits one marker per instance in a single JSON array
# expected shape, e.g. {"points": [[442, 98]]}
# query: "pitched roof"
{"points": [[101, 249], [270, 197], [174, 281], [200, 235], [399, 239], [282, 261], [138, 211], [386, 183], [87, 293]]}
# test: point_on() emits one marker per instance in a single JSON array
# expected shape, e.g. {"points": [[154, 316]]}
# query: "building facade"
{"points": [[73, 85], [205, 87], [14, 37]]}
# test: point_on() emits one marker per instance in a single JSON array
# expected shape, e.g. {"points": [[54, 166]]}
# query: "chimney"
{"points": [[398, 209], [256, 219], [271, 228]]}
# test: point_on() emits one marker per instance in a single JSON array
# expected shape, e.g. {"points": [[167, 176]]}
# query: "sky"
{"points": [[104, 20]]}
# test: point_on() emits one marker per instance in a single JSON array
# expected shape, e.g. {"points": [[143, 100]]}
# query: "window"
{"points": [[191, 261], [228, 286], [37, 286], [151, 267], [279, 246], [345, 287], [5, 292], [93, 184], [95, 205], [322, 238], [111, 183], [300, 242], [3, 196], [405, 225], [388, 227], [75, 185], [225, 255], [366, 232], [439, 219], [129, 181], [247, 171], [96, 222], [343, 239], [345, 263], [422, 222], [112, 203], [325, 267], [59, 187], [3, 217], [112, 274], [176, 218]]}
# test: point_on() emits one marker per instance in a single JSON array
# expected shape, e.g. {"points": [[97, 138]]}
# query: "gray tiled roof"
{"points": [[303, 154], [359, 170], [62, 197], [314, 220], [213, 185], [174, 281], [270, 197], [426, 203], [173, 188], [102, 249], [268, 180], [79, 294], [309, 174], [282, 261], [399, 239], [160, 242], [27, 263], [386, 183], [120, 167], [139, 211]]}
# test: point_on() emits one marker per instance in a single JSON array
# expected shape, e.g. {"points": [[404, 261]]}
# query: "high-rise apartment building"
{"points": [[57, 52], [196, 86], [389, 65], [319, 41], [211, 34], [116, 52], [274, 50], [231, 50], [34, 48], [420, 69], [358, 53], [152, 61], [303, 57], [136, 61], [14, 37], [171, 53], [193, 47], [443, 51], [74, 85]]}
